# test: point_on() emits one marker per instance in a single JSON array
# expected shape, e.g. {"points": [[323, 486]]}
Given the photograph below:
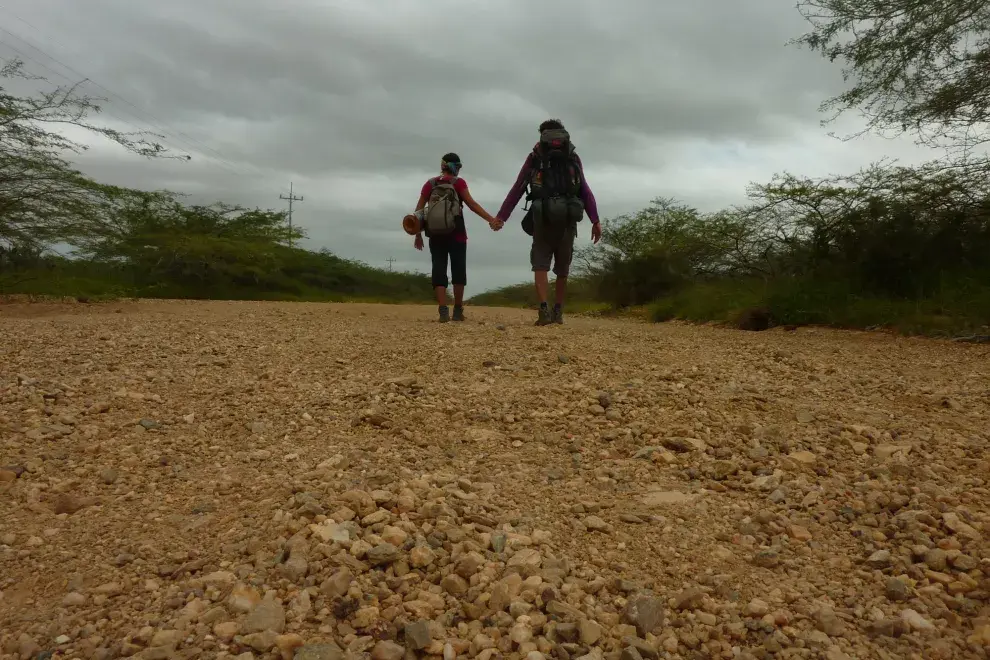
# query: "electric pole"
{"points": [[390, 261], [291, 198]]}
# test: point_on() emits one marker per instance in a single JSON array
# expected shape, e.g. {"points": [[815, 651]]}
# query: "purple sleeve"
{"points": [[588, 197], [515, 193]]}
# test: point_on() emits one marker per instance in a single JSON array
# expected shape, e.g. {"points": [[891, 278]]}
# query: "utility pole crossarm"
{"points": [[390, 261], [291, 198]]}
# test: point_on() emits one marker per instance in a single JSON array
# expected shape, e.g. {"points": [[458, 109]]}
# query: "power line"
{"points": [[139, 129], [390, 261], [64, 77], [90, 80], [291, 198], [197, 144]]}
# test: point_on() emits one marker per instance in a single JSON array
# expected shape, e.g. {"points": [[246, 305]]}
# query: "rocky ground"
{"points": [[254, 480]]}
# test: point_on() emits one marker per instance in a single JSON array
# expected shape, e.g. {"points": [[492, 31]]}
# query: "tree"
{"points": [[917, 66], [42, 198], [895, 231], [652, 251], [205, 247]]}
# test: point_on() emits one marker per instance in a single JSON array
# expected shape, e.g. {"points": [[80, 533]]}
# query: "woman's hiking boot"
{"points": [[444, 313], [544, 317], [458, 313], [557, 316]]}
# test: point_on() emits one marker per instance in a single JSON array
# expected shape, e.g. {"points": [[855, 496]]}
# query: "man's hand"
{"points": [[418, 242], [596, 232], [496, 224]]}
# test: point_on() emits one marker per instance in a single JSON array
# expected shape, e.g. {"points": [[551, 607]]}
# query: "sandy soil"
{"points": [[201, 480]]}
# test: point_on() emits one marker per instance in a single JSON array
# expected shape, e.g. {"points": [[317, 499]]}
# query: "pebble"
{"points": [[829, 623], [421, 556], [689, 599], [917, 622], [897, 590], [646, 612], [243, 599], [589, 631], [267, 615], [936, 559], [319, 652], [383, 553], [879, 559], [594, 523], [226, 630], [418, 635], [166, 638], [386, 650], [70, 504], [454, 585], [757, 608]]}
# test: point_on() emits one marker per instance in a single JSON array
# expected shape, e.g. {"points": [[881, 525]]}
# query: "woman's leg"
{"points": [[439, 253], [458, 276]]}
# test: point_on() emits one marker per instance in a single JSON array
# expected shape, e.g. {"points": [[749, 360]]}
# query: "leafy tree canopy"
{"points": [[916, 66]]}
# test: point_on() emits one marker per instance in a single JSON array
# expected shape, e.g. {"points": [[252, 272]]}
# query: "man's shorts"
{"points": [[554, 244]]}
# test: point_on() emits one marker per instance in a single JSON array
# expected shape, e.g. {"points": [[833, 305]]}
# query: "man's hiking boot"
{"points": [[544, 317], [458, 313], [444, 313], [557, 316]]}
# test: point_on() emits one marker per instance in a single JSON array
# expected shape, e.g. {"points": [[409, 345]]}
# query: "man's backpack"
{"points": [[556, 180], [443, 208]]}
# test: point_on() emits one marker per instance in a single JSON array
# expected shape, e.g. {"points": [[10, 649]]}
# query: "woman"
{"points": [[452, 245]]}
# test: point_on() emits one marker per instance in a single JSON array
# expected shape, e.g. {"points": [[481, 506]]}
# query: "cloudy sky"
{"points": [[354, 101]]}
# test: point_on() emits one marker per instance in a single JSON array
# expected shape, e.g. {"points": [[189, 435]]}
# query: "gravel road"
{"points": [[273, 480]]}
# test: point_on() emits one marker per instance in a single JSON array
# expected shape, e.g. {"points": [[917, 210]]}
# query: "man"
{"points": [[560, 196]]}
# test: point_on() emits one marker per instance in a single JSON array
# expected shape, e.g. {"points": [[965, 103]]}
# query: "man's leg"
{"points": [[540, 255], [458, 276], [438, 254], [542, 284], [560, 289], [562, 256]]}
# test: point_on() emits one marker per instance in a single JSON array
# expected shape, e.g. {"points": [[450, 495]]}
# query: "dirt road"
{"points": [[200, 480]]}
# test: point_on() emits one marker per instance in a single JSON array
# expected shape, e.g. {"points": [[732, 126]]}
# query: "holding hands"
{"points": [[495, 223]]}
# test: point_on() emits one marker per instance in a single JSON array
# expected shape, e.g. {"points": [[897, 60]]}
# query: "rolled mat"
{"points": [[411, 224]]}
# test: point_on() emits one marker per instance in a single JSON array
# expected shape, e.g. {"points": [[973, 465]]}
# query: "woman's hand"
{"points": [[418, 242]]}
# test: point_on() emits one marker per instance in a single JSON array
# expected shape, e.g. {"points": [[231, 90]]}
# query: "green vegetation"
{"points": [[580, 297], [953, 311], [138, 243], [894, 247], [295, 274]]}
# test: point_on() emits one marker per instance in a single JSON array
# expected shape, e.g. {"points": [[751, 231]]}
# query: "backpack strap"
{"points": [[578, 170], [533, 163], [453, 184]]}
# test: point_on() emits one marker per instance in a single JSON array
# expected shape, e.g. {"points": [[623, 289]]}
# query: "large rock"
{"points": [[386, 650], [268, 615], [646, 612], [418, 635]]}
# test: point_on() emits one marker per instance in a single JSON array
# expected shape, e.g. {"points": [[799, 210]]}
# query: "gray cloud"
{"points": [[354, 101]]}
